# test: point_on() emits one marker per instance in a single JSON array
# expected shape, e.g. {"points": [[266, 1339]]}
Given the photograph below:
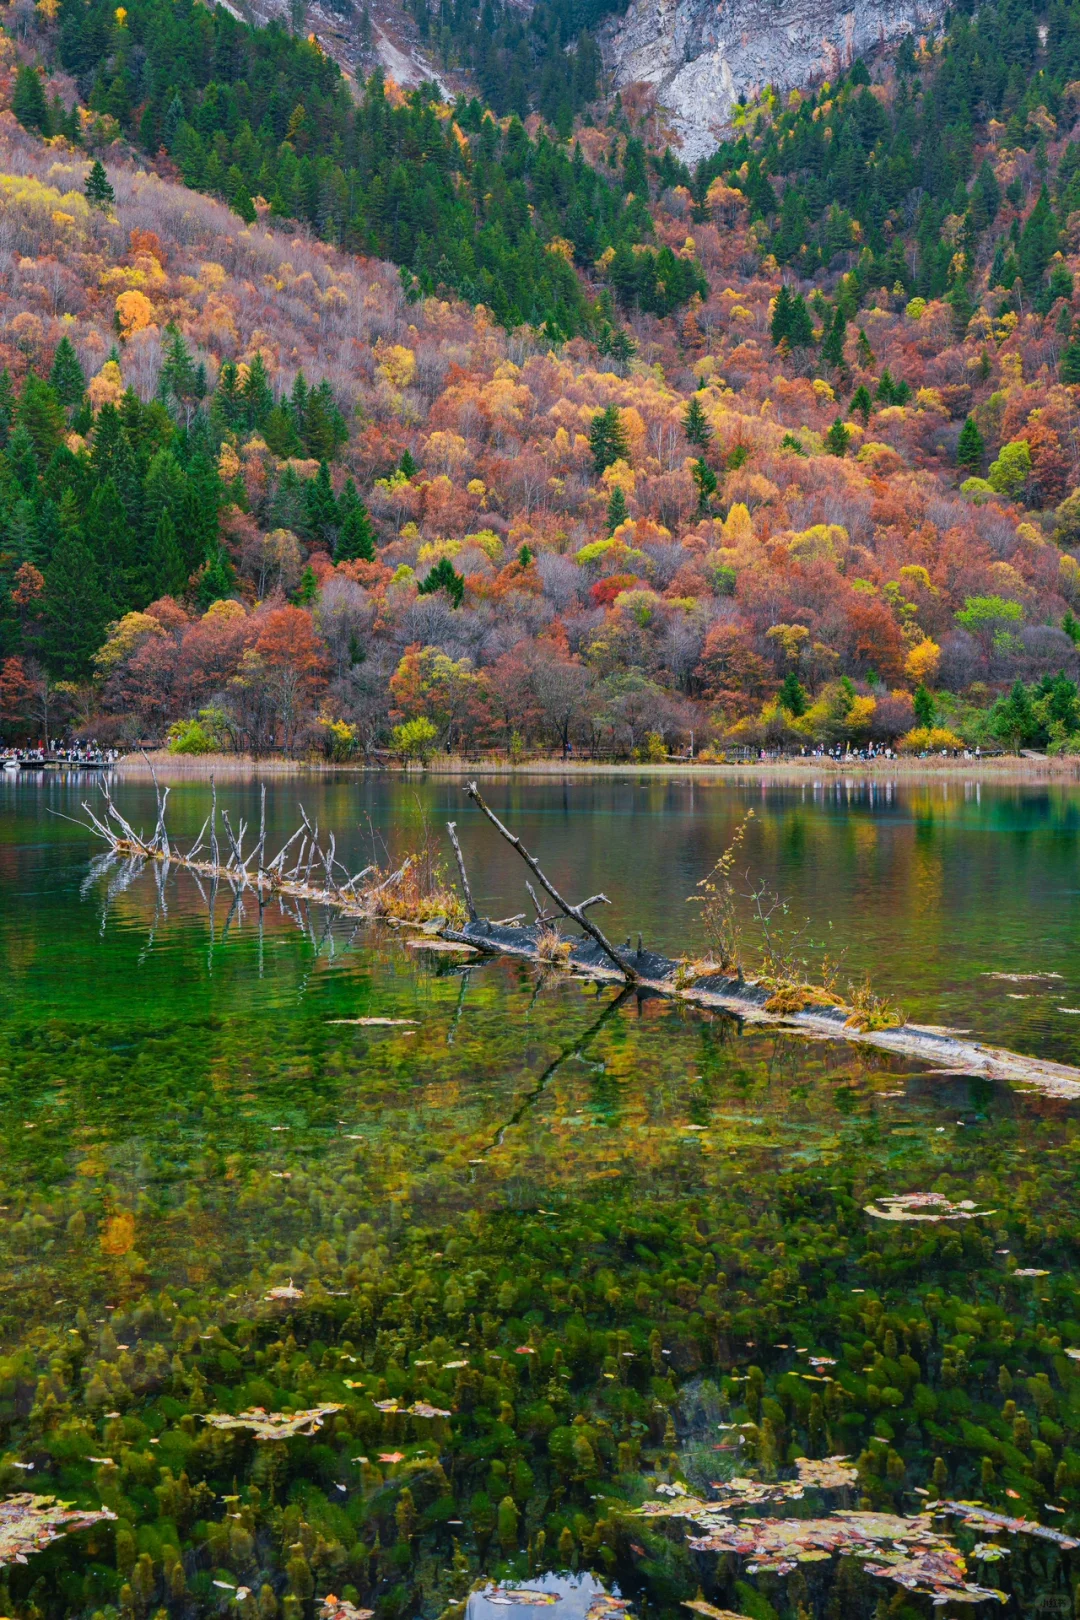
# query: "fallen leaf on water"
{"points": [[923, 1207], [285, 1291], [1022, 978], [29, 1523], [273, 1425], [387, 1023], [335, 1608]]}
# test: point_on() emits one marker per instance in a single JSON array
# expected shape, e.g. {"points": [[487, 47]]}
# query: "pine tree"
{"points": [[166, 574], [1069, 364], [228, 404], [792, 695], [41, 415], [76, 608], [706, 482], [99, 192], [780, 326], [279, 431], [28, 101], [863, 350], [838, 438], [320, 508], [800, 325], [66, 376], [407, 465], [324, 427], [862, 403], [258, 396], [832, 344], [7, 406], [1038, 243], [970, 448], [607, 439], [923, 704], [617, 511], [696, 424], [356, 536], [217, 581], [443, 577]]}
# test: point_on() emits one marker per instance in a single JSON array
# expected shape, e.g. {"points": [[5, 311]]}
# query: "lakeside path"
{"points": [[1061, 770]]}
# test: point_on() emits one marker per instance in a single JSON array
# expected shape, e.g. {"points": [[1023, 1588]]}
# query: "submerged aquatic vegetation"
{"points": [[529, 1255]]}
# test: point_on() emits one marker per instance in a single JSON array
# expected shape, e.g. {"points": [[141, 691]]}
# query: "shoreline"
{"points": [[1063, 770]]}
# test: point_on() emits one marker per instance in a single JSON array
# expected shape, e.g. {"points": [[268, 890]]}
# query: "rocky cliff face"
{"points": [[702, 55]]}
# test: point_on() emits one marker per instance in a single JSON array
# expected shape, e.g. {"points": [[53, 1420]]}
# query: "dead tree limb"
{"points": [[215, 854], [575, 913], [451, 827]]}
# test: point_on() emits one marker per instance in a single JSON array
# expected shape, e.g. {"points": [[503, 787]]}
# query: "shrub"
{"points": [[414, 739], [931, 739], [190, 737]]}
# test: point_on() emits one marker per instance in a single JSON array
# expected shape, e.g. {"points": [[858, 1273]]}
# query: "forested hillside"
{"points": [[779, 451]]}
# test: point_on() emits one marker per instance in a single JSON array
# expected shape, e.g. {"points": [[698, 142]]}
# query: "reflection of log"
{"points": [[451, 827], [592, 956], [575, 913]]}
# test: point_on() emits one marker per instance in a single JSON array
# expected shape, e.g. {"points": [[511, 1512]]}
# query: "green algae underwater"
{"points": [[597, 1245]]}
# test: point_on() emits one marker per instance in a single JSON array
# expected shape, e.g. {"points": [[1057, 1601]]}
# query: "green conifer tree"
{"points": [[792, 695], [924, 706], [320, 508], [970, 448], [617, 510], [706, 483], [66, 376], [41, 414], [696, 424], [99, 192], [28, 101], [862, 403], [76, 608], [166, 574], [607, 439], [444, 577], [838, 438], [833, 339], [258, 396], [356, 536]]}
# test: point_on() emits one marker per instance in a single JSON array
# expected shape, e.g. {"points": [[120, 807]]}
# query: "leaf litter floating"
{"points": [[30, 1523], [923, 1207], [823, 1474], [285, 1290], [381, 1023], [274, 1425], [335, 1608], [907, 1551], [709, 1610]]}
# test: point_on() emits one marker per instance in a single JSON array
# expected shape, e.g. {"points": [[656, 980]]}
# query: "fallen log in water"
{"points": [[653, 973], [411, 893], [404, 895]]}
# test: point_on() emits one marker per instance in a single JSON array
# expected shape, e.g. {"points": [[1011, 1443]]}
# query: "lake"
{"points": [[598, 1233]]}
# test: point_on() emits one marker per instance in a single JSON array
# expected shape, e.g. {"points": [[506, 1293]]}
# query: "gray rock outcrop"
{"points": [[702, 55]]}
